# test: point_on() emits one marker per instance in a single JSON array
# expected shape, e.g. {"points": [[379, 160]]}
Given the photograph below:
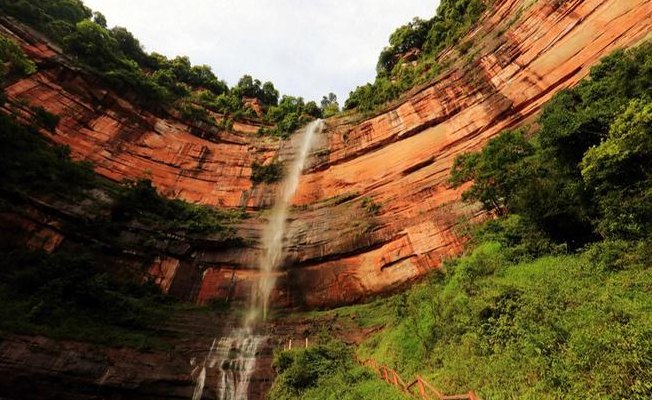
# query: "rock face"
{"points": [[38, 368], [374, 211]]}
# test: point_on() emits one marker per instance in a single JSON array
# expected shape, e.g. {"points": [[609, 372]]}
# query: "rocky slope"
{"points": [[41, 368], [374, 212]]}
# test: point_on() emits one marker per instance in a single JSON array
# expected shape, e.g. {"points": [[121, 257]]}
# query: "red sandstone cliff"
{"points": [[340, 250]]}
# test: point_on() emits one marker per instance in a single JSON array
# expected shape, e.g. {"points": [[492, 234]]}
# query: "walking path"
{"points": [[419, 388]]}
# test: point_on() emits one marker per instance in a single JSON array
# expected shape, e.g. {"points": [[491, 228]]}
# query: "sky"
{"points": [[306, 48]]}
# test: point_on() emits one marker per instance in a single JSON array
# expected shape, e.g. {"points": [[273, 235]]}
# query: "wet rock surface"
{"points": [[374, 211], [338, 251]]}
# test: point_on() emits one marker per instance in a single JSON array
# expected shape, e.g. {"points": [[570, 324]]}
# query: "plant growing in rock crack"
{"points": [[370, 206], [269, 173]]}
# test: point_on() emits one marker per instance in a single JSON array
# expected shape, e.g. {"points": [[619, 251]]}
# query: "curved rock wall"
{"points": [[401, 158], [374, 212]]}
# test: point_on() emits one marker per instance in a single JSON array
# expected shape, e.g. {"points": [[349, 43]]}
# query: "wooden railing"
{"points": [[419, 388]]}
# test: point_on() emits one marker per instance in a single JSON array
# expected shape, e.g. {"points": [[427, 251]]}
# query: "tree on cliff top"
{"points": [[425, 39], [13, 60], [587, 173]]}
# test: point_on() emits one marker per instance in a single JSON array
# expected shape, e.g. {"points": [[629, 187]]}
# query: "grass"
{"points": [[511, 326], [565, 326], [327, 371]]}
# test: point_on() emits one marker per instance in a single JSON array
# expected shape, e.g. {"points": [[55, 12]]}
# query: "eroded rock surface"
{"points": [[374, 212]]}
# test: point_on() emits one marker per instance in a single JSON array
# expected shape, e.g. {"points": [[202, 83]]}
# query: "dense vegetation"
{"points": [[326, 371], [289, 115], [74, 293], [15, 62], [553, 298], [587, 173], [411, 57], [558, 326], [153, 80], [269, 173]]}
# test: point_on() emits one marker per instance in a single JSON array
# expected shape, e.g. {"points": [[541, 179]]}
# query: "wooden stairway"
{"points": [[419, 388]]}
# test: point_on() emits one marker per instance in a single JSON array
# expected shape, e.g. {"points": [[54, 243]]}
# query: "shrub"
{"points": [[12, 55], [370, 206], [72, 294], [326, 371], [269, 173], [140, 201], [30, 164], [46, 119]]}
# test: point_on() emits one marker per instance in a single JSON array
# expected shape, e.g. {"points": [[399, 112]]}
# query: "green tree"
{"points": [[313, 109], [249, 87], [619, 169], [496, 171], [410, 36], [587, 170], [99, 19], [13, 60], [131, 47], [269, 94], [426, 39], [329, 105], [93, 45]]}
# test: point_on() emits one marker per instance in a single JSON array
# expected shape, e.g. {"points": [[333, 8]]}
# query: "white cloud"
{"points": [[306, 47]]}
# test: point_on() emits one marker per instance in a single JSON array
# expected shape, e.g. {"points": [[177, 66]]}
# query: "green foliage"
{"points": [[13, 63], [130, 47], [93, 44], [313, 110], [587, 171], [329, 105], [410, 36], [556, 327], [371, 96], [423, 40], [70, 295], [269, 173], [54, 17], [290, 114], [519, 316], [453, 19], [326, 371], [153, 80], [620, 171], [45, 119], [74, 293], [29, 164], [519, 237], [496, 172], [13, 60], [141, 202], [253, 88], [370, 206], [193, 113]]}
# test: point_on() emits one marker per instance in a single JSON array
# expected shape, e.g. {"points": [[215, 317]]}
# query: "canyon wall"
{"points": [[374, 211]]}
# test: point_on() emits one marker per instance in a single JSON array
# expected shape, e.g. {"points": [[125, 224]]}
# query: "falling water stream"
{"points": [[235, 354]]}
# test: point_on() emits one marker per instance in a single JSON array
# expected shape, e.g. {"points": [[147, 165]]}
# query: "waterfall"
{"points": [[237, 358], [236, 354], [275, 229]]}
